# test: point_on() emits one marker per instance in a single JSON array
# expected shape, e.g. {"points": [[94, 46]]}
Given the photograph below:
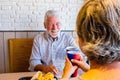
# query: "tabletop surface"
{"points": [[15, 76]]}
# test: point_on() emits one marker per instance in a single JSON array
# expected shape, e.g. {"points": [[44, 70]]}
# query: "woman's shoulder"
{"points": [[75, 78], [98, 74]]}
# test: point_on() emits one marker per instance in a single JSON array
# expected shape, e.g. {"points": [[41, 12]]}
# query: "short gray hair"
{"points": [[50, 13]]}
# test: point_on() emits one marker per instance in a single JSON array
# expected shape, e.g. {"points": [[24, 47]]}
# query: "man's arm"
{"points": [[35, 57], [46, 68]]}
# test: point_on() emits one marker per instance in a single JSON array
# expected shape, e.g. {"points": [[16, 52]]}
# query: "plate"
{"points": [[28, 78], [25, 78]]}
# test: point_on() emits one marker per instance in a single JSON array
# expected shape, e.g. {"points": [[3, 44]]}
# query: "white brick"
{"points": [[32, 25], [32, 8], [74, 1], [81, 2], [6, 20], [41, 1], [22, 25], [42, 10], [3, 0], [39, 19], [32, 18], [14, 16], [20, 28], [41, 26], [29, 14], [23, 16], [39, 4], [7, 3], [5, 16], [22, 20], [6, 25], [55, 5], [3, 12], [13, 0], [6, 8], [57, 1], [24, 8], [24, 4], [26, 12], [65, 1], [48, 1], [26, 1], [35, 12], [0, 25], [73, 8], [15, 7]]}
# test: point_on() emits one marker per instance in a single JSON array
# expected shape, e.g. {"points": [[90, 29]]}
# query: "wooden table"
{"points": [[15, 76]]}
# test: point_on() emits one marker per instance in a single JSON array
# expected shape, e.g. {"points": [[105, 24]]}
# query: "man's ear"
{"points": [[44, 25]]}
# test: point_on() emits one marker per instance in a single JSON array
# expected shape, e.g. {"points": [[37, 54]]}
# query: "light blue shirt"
{"points": [[46, 51]]}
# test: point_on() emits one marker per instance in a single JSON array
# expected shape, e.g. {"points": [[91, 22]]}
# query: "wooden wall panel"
{"points": [[7, 35], [21, 34], [2, 61], [32, 34]]}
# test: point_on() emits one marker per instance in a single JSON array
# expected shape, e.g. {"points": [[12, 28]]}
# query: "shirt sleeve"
{"points": [[35, 57]]}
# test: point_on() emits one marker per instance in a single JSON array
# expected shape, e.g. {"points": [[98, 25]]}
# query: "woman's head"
{"points": [[98, 26]]}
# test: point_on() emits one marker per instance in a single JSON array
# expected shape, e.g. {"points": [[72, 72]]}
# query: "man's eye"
{"points": [[58, 24], [49, 24]]}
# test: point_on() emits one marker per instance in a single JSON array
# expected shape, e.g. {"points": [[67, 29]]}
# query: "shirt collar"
{"points": [[48, 37]]}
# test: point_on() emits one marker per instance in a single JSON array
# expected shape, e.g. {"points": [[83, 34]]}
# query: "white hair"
{"points": [[50, 13]]}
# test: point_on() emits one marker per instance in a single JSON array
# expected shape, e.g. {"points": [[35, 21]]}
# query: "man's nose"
{"points": [[54, 26]]}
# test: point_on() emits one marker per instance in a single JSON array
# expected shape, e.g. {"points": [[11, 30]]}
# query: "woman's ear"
{"points": [[81, 43]]}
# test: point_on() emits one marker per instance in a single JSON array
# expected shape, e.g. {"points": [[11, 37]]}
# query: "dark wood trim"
{"points": [[32, 30]]}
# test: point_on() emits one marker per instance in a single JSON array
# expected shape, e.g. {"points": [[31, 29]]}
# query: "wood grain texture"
{"points": [[19, 54], [7, 36], [2, 61]]}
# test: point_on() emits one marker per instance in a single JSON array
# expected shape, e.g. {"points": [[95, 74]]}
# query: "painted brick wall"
{"points": [[29, 14]]}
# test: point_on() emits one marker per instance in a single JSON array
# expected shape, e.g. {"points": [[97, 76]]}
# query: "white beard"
{"points": [[53, 33]]}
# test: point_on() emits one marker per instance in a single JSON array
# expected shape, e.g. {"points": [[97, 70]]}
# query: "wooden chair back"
{"points": [[19, 54]]}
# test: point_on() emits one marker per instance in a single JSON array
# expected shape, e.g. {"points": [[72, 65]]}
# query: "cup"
{"points": [[74, 54], [71, 48]]}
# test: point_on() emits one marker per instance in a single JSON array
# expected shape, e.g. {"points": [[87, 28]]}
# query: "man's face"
{"points": [[52, 25]]}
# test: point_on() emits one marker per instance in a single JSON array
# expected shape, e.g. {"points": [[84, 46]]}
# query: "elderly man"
{"points": [[48, 51]]}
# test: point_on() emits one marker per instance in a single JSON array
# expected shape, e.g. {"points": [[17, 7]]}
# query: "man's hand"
{"points": [[52, 68], [47, 68]]}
